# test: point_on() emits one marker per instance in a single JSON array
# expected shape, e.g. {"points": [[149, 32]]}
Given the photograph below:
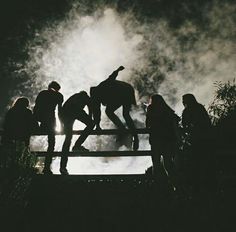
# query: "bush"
{"points": [[224, 103]]}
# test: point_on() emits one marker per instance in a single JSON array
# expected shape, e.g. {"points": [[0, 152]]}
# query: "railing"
{"points": [[112, 153], [103, 132]]}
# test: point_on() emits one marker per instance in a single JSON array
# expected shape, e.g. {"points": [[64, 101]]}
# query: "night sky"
{"points": [[174, 44]]}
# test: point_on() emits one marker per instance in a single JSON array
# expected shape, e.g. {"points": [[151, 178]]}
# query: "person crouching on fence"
{"points": [[73, 109], [114, 94]]}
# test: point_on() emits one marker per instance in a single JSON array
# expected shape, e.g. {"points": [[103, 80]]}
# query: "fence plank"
{"points": [[97, 153], [98, 132]]}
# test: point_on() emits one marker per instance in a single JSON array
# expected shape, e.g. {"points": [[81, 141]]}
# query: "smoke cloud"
{"points": [[84, 48]]}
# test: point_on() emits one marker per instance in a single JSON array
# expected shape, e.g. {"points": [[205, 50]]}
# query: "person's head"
{"points": [[157, 100], [159, 103], [21, 102], [54, 86], [188, 100], [83, 93]]}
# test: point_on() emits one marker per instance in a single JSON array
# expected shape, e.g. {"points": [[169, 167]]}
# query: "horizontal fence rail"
{"points": [[115, 153], [96, 132], [97, 153], [127, 153]]}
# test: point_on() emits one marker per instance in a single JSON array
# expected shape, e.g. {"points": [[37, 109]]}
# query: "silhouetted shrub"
{"points": [[224, 103], [223, 113]]}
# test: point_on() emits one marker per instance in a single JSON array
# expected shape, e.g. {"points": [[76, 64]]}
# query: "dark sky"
{"points": [[19, 19]]}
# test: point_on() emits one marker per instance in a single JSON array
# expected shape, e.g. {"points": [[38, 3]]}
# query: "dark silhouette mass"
{"points": [[44, 112], [113, 94], [162, 123], [17, 129], [195, 119], [73, 109], [18, 123], [197, 132]]}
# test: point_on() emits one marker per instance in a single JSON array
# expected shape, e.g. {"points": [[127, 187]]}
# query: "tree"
{"points": [[224, 103], [223, 113]]}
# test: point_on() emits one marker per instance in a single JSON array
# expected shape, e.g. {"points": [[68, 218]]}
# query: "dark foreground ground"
{"points": [[112, 203]]}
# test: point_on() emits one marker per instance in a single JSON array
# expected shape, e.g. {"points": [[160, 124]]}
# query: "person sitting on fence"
{"points": [[162, 123], [44, 112], [73, 109], [18, 127], [114, 94]]}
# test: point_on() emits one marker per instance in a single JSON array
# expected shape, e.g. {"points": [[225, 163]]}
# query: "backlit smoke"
{"points": [[80, 53], [82, 50]]}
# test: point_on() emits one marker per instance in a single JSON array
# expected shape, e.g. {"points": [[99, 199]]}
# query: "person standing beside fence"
{"points": [[197, 128], [162, 123], [17, 129]]}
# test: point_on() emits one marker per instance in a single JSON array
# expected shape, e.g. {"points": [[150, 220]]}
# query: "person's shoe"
{"points": [[64, 171], [80, 148], [47, 171]]}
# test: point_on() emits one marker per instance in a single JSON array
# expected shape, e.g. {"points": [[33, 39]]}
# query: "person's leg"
{"points": [[113, 117], [88, 121], [156, 160], [68, 127], [130, 123], [49, 128], [168, 161], [171, 171]]}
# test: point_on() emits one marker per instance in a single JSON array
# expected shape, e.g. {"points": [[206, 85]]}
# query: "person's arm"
{"points": [[96, 111], [59, 112], [184, 121], [6, 123], [205, 117], [89, 105], [115, 73], [148, 123], [30, 128], [60, 106], [36, 105]]}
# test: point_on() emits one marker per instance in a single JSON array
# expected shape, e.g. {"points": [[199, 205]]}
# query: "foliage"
{"points": [[17, 155], [16, 174], [224, 103]]}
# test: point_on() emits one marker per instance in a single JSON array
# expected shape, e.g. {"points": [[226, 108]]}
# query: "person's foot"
{"points": [[47, 171], [64, 171], [80, 148]]}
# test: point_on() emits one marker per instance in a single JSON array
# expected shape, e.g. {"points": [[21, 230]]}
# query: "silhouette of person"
{"points": [[162, 123], [17, 128], [44, 112], [195, 119], [73, 109], [196, 125], [19, 122], [114, 94]]}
